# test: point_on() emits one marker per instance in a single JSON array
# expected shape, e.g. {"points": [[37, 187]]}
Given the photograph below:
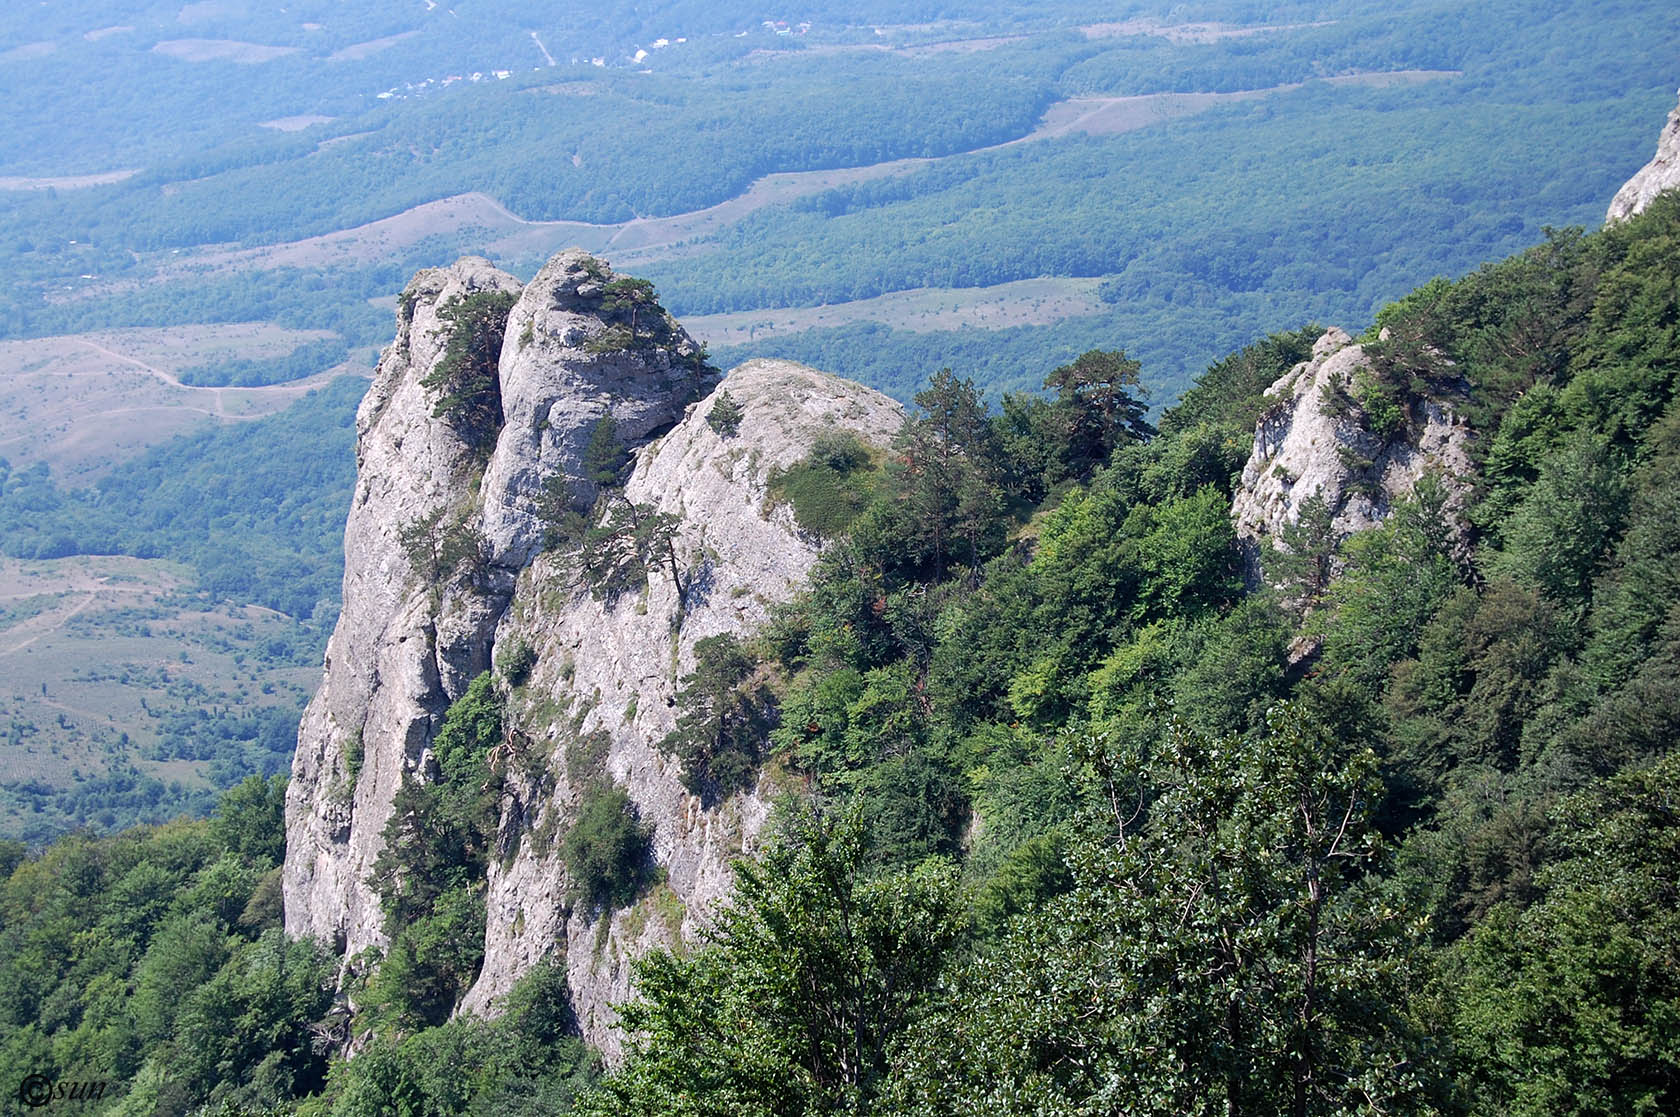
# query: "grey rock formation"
{"points": [[1306, 445], [384, 684], [1661, 173], [558, 382], [408, 641], [613, 668]]}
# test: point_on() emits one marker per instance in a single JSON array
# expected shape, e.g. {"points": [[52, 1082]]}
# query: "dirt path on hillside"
{"points": [[218, 394], [58, 620]]}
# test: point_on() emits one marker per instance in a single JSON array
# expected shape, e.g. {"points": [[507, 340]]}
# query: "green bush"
{"points": [[468, 388], [516, 661], [830, 487], [724, 714], [353, 756], [1384, 413], [606, 848], [431, 874], [725, 415]]}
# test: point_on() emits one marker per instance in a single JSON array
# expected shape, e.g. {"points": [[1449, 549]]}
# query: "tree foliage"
{"points": [[724, 713], [430, 875], [465, 379], [629, 543], [606, 848], [811, 972], [1223, 949]]}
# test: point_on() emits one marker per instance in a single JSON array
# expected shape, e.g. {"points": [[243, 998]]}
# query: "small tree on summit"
{"points": [[469, 393], [725, 415], [631, 294]]}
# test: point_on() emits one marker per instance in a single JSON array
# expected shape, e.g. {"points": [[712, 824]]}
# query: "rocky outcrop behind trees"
{"points": [[1333, 430], [460, 552]]}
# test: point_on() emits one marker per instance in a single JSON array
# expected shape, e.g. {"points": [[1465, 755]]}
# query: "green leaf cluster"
{"points": [[723, 712], [465, 379], [155, 960], [606, 848], [813, 969], [430, 875]]}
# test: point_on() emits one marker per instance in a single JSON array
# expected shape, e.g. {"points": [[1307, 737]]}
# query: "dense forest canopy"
{"points": [[1087, 821]]}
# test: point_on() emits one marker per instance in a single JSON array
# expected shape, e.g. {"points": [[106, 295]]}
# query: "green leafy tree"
{"points": [[1568, 1006], [1222, 950], [244, 1035], [441, 544], [604, 456], [1557, 538], [947, 476], [528, 1062], [628, 294], [1396, 576], [630, 542], [1231, 393], [1302, 562], [811, 971], [465, 378], [430, 873], [606, 848], [250, 819], [725, 414], [1099, 405], [723, 715]]}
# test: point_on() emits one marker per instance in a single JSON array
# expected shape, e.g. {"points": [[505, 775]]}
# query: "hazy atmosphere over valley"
{"points": [[900, 557]]}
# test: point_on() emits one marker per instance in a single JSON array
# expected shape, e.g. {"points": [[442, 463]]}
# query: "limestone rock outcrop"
{"points": [[558, 381], [1661, 173], [603, 674], [1315, 439], [384, 685], [612, 669]]}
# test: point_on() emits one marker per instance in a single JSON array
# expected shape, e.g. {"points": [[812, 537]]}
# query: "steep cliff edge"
{"points": [[383, 689], [607, 672], [1661, 173], [445, 563], [1319, 437]]}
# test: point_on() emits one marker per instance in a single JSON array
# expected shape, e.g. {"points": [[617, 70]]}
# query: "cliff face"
{"points": [[1307, 443], [384, 686], [413, 634], [612, 669], [1661, 173]]}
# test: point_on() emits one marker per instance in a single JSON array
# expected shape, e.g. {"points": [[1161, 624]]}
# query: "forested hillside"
{"points": [[254, 514], [1080, 815]]}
